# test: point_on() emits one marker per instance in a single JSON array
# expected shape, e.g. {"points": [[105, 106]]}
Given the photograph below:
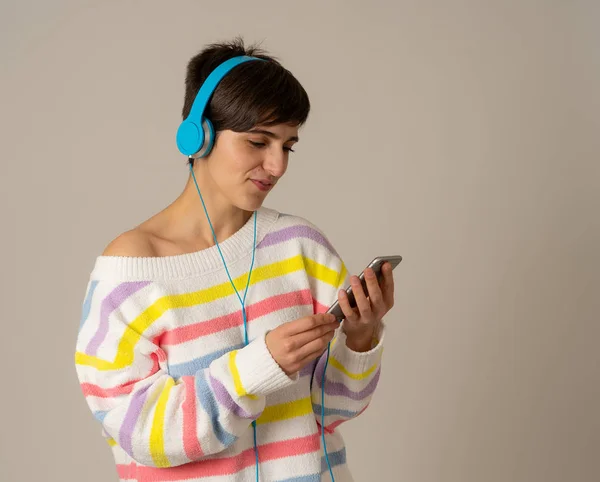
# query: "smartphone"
{"points": [[376, 265]]}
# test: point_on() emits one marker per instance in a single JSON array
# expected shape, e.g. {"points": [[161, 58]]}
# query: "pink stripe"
{"points": [[223, 466], [208, 327], [318, 307], [91, 390], [191, 444]]}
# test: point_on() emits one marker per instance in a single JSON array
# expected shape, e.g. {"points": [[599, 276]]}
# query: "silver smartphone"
{"points": [[376, 265]]}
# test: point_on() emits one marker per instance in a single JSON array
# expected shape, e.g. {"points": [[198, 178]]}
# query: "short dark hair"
{"points": [[251, 94]]}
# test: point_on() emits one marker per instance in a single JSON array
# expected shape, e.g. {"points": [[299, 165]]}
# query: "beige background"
{"points": [[463, 135]]}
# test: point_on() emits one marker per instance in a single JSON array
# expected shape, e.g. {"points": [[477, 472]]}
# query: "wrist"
{"points": [[360, 341]]}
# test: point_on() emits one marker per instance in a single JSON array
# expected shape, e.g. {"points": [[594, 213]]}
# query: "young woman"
{"points": [[204, 349]]}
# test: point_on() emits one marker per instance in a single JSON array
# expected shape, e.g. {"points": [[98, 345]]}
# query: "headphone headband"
{"points": [[211, 82], [195, 136]]}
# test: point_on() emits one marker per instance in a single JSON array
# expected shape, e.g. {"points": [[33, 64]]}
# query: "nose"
{"points": [[276, 163]]}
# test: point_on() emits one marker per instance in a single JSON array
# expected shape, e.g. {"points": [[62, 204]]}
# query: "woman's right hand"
{"points": [[295, 344]]}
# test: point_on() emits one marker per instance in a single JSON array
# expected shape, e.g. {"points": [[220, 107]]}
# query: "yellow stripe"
{"points": [[343, 276], [237, 381], [285, 411], [324, 273], [355, 376], [157, 440], [111, 441], [139, 325]]}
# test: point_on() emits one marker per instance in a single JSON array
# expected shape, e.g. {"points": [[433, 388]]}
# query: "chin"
{"points": [[251, 204]]}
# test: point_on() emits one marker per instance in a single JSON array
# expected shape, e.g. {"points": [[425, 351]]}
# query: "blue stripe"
{"points": [[334, 411], [100, 415], [304, 478], [87, 304], [210, 406], [335, 458], [191, 367]]}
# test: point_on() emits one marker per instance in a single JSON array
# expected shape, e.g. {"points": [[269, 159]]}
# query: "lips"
{"points": [[262, 185]]}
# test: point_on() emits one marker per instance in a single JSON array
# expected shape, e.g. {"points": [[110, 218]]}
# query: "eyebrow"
{"points": [[272, 134]]}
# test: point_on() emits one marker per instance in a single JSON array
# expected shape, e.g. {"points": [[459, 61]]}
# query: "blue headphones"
{"points": [[196, 134]]}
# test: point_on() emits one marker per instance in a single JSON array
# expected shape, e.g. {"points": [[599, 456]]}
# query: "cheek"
{"points": [[237, 165], [246, 160]]}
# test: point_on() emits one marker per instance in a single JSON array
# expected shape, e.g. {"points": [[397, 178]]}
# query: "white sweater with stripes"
{"points": [[164, 368]]}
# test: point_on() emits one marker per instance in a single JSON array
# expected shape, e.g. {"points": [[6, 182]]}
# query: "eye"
{"points": [[259, 145]]}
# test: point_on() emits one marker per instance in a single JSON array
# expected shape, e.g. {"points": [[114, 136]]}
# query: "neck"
{"points": [[186, 218]]}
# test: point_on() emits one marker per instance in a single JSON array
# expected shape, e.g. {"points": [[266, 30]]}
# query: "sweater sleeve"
{"points": [[350, 377], [350, 380], [159, 420]]}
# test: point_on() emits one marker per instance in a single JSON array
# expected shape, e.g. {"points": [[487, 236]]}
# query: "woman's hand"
{"points": [[295, 344], [361, 322]]}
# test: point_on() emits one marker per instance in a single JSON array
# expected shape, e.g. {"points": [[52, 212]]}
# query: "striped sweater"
{"points": [[163, 366]]}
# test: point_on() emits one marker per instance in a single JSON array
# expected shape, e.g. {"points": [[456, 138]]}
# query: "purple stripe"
{"points": [[110, 304], [294, 232], [131, 417], [340, 389], [321, 364], [307, 369], [224, 398]]}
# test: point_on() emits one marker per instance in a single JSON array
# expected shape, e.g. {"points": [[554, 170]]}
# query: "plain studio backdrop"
{"points": [[463, 135]]}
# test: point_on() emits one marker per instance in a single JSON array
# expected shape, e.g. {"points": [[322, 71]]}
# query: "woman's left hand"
{"points": [[361, 322]]}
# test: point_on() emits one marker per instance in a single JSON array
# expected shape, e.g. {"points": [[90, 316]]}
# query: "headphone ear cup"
{"points": [[209, 138], [190, 137]]}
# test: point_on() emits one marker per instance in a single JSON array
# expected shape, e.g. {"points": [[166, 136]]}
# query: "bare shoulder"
{"points": [[135, 243]]}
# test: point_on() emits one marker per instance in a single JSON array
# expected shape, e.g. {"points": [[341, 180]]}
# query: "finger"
{"points": [[387, 285], [363, 304], [312, 357], [375, 294], [315, 348], [307, 323], [350, 313], [304, 338]]}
